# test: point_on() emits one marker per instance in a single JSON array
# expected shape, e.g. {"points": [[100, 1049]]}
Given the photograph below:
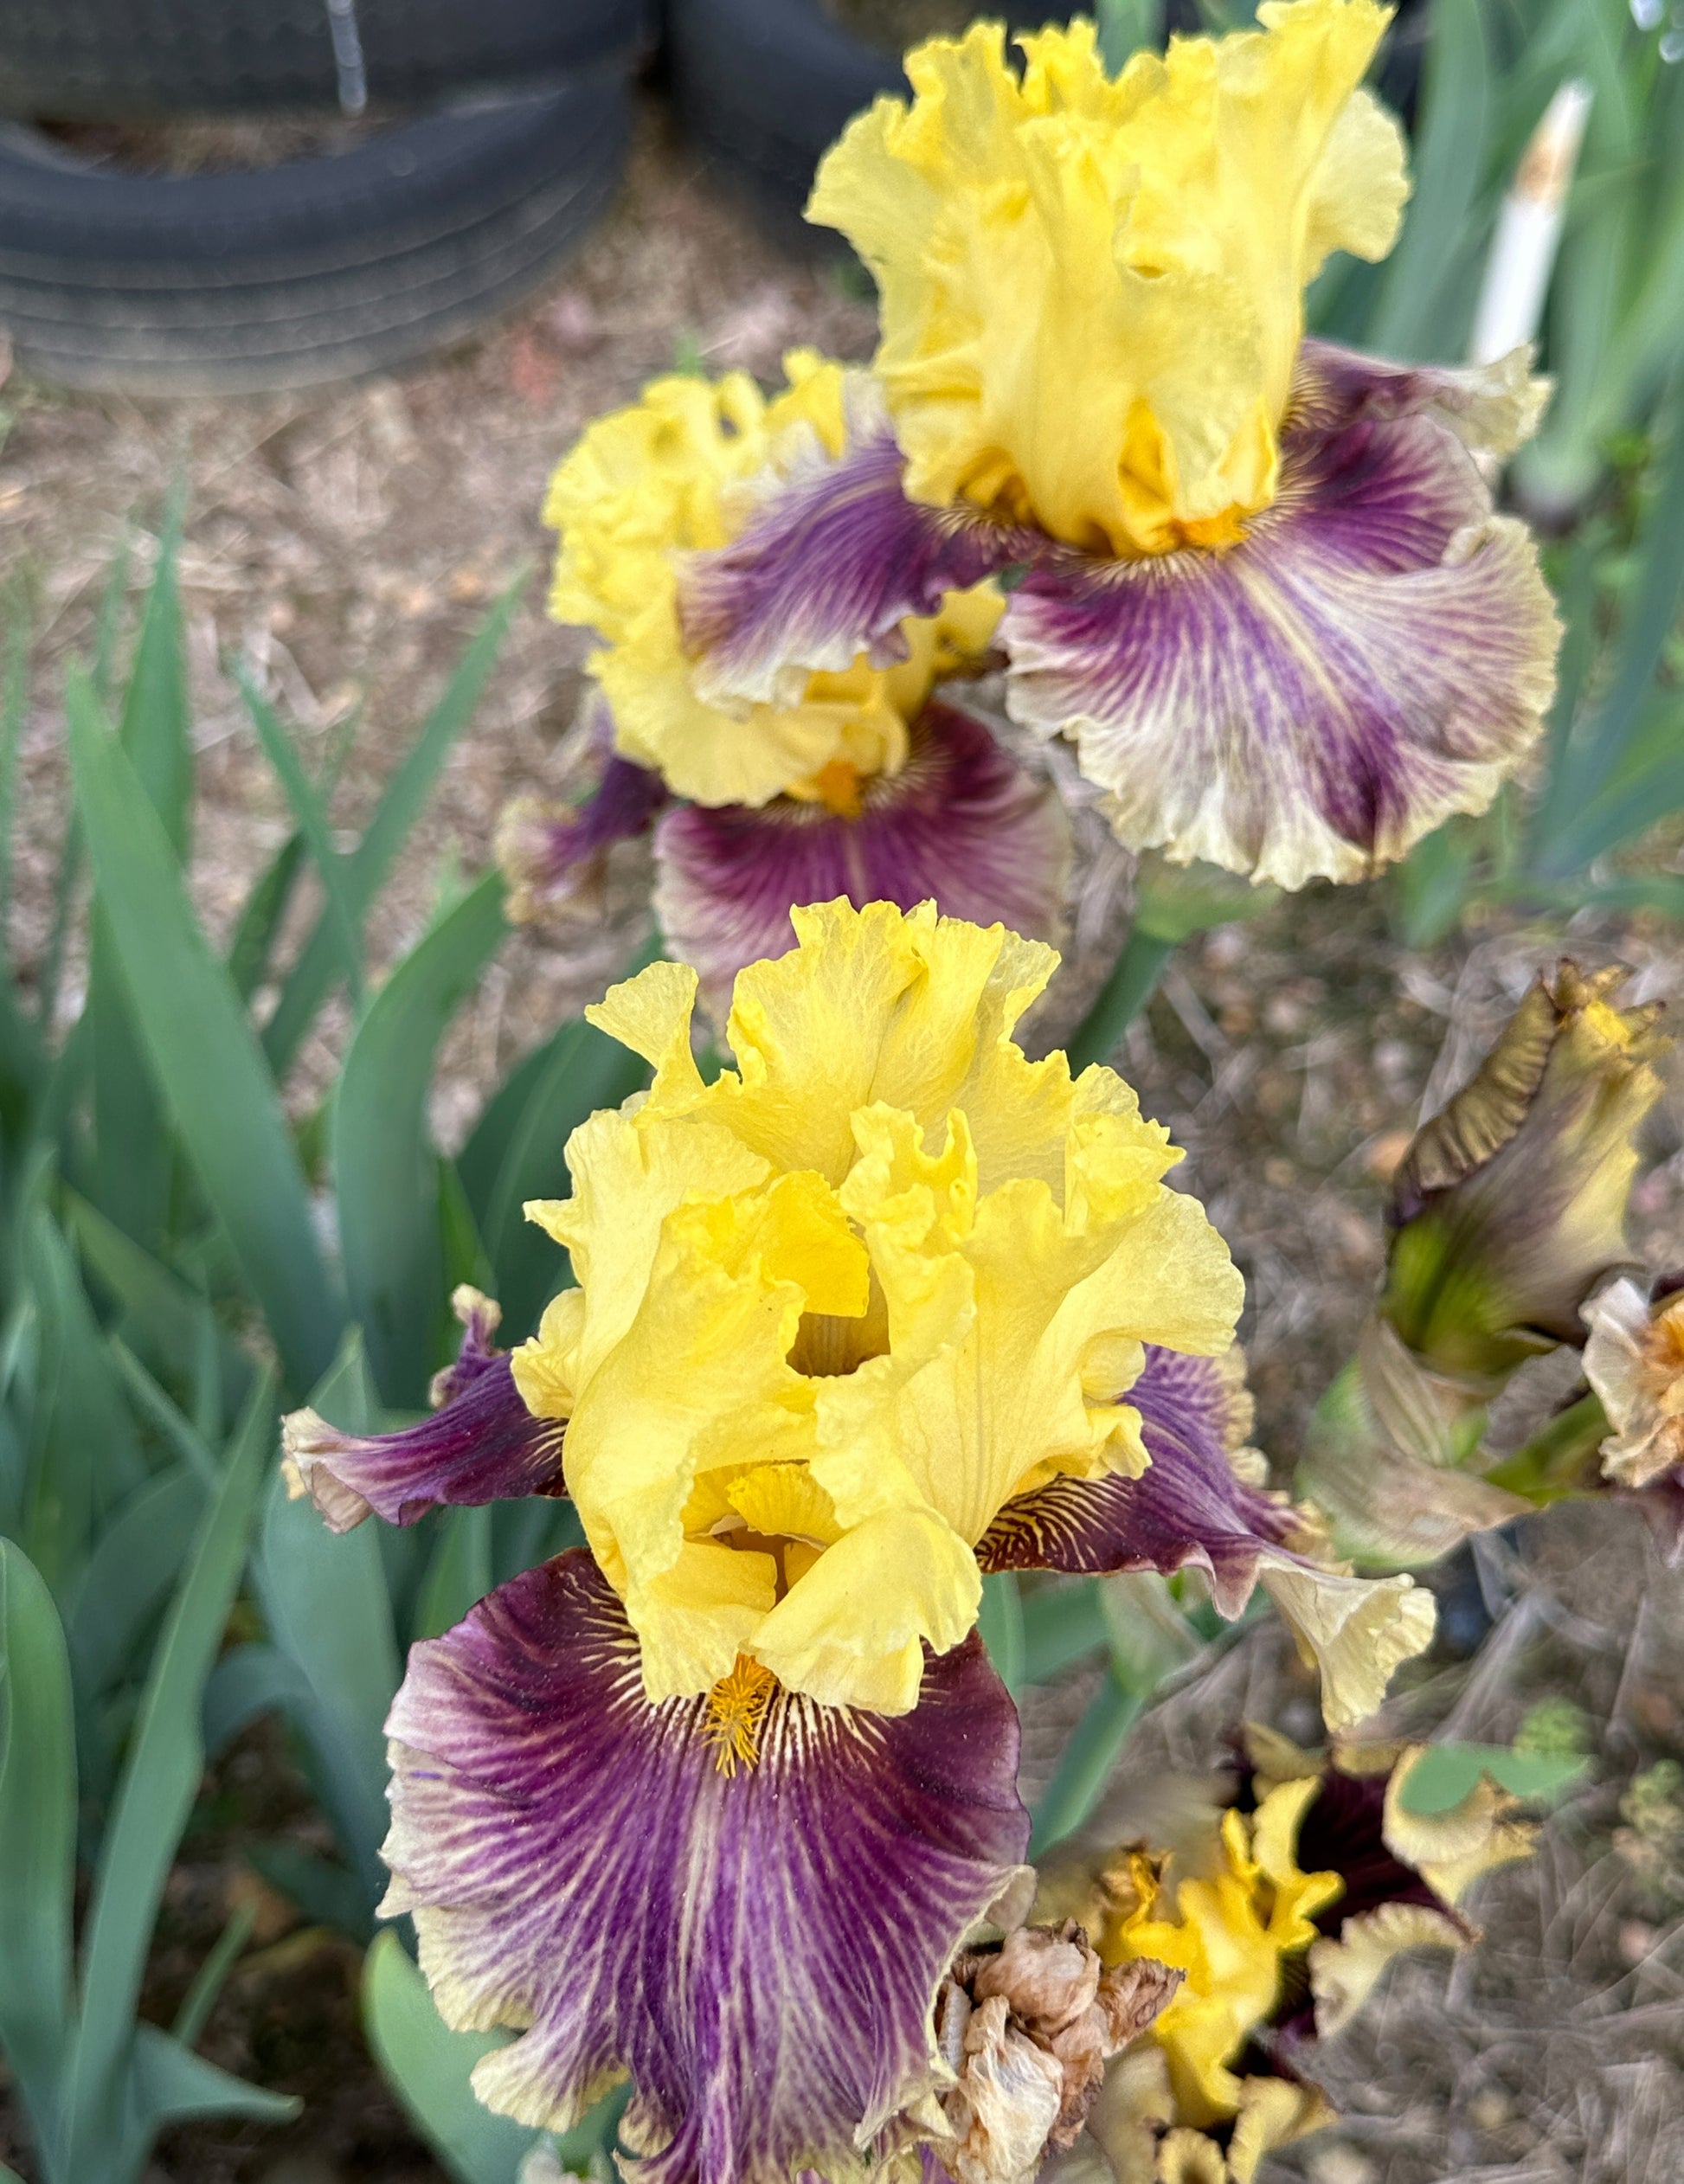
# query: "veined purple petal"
{"points": [[1375, 654], [482, 1444], [1491, 407], [1189, 1506], [554, 856], [828, 568], [962, 823], [1343, 1832], [761, 1948]]}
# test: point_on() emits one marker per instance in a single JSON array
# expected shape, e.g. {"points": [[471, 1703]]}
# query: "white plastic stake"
{"points": [[1517, 273]]}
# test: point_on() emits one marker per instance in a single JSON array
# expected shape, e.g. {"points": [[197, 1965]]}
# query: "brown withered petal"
{"points": [[1048, 1976], [1006, 2103], [1491, 1107], [1526, 1170], [1495, 1102], [1635, 1361], [1027, 2029]]}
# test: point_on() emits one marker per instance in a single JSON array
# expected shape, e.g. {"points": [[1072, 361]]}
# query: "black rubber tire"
{"points": [[317, 270], [115, 60], [764, 87]]}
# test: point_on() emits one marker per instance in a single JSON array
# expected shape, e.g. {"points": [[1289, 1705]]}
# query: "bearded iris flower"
{"points": [[1281, 1910], [1257, 580], [859, 779], [716, 1799]]}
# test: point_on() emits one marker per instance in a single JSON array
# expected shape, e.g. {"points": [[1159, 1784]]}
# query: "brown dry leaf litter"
{"points": [[345, 546]]}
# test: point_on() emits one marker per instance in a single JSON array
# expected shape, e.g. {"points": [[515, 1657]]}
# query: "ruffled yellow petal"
{"points": [[671, 475], [1011, 1398], [836, 1307], [1130, 255], [1228, 1934], [851, 1632], [627, 1178], [784, 1500], [546, 1369], [1451, 1849], [694, 1619], [1345, 1972], [906, 1009], [1273, 2111], [651, 1014], [696, 1379], [1355, 1630]]}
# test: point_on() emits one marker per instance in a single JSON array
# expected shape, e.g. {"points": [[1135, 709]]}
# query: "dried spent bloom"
{"points": [[1635, 1361], [1303, 1890], [716, 1801], [1509, 1207], [1257, 580], [1026, 2029], [1507, 1210], [852, 780]]}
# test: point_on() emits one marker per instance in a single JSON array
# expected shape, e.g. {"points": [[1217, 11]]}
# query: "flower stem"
{"points": [[1560, 1460], [1089, 1758], [1132, 981]]}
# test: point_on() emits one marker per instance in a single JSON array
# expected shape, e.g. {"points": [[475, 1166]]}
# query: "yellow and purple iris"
{"points": [[1257, 580], [860, 779], [1281, 1910], [714, 1800]]}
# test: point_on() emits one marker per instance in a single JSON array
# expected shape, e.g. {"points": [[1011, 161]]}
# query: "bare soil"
{"points": [[344, 546]]}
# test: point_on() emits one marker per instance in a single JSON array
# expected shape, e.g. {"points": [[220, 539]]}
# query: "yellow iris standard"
{"points": [[839, 1307], [1092, 289], [671, 474], [1230, 1932]]}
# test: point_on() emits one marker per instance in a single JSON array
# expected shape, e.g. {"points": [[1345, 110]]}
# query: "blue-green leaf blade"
{"points": [[1410, 319], [459, 1573], [131, 1149], [429, 2067], [171, 2081], [161, 1778], [341, 916], [202, 1051], [311, 977], [37, 1833], [324, 1599], [249, 1680], [156, 728], [584, 1069], [261, 919], [84, 1455], [385, 1169], [129, 1575]]}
